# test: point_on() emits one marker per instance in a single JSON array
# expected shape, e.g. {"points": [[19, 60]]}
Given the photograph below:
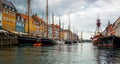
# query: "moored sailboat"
{"points": [[27, 40]]}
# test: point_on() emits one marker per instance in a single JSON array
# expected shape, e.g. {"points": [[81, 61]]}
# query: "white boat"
{"points": [[60, 42]]}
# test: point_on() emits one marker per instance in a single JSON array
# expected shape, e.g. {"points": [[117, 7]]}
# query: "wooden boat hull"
{"points": [[110, 41], [47, 42], [27, 40], [68, 42]]}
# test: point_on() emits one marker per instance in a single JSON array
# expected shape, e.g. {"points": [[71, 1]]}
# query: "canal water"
{"points": [[82, 53]]}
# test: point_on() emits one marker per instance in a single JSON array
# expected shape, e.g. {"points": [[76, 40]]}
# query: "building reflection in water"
{"points": [[7, 54], [107, 55], [83, 53]]}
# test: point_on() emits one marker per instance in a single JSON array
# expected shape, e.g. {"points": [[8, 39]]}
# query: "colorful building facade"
{"points": [[32, 26], [8, 15], [110, 30], [117, 27], [67, 34], [39, 25], [20, 25]]}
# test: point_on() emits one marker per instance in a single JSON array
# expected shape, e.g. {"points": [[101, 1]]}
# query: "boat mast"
{"points": [[73, 33], [28, 17], [81, 36], [47, 17], [69, 27], [52, 26], [98, 24], [63, 26], [42, 24], [59, 28]]}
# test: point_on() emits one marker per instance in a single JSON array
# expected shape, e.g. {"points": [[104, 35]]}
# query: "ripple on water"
{"points": [[84, 53]]}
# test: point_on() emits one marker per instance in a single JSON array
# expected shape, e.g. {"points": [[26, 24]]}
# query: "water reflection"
{"points": [[107, 55], [83, 53]]}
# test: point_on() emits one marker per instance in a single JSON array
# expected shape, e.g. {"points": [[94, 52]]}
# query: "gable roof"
{"points": [[8, 3], [26, 17], [37, 19]]}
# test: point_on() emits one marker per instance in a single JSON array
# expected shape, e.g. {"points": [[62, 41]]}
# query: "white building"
{"points": [[67, 35]]}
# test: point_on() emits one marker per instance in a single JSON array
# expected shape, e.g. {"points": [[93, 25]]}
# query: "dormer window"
{"points": [[9, 8], [22, 19], [13, 9], [5, 6]]}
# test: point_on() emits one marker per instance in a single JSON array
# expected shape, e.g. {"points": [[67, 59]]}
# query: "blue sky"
{"points": [[83, 13]]}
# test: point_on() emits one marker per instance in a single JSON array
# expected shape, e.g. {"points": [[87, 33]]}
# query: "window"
{"points": [[5, 6], [13, 9], [23, 24], [22, 19], [3, 11], [4, 18], [13, 14], [9, 8], [9, 19], [18, 18], [6, 11], [0, 18]]}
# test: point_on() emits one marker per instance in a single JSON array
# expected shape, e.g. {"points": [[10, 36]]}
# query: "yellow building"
{"points": [[32, 26], [8, 15], [39, 25]]}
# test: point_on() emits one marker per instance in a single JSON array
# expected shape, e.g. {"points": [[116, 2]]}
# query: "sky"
{"points": [[83, 13]]}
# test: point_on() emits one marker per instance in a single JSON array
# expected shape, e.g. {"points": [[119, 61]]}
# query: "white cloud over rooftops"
{"points": [[83, 13]]}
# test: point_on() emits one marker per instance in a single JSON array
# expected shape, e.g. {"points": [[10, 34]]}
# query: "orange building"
{"points": [[39, 25], [32, 26], [8, 15]]}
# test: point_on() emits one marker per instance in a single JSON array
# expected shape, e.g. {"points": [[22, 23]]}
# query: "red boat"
{"points": [[95, 39]]}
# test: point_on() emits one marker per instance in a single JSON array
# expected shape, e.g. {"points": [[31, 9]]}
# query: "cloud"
{"points": [[83, 13]]}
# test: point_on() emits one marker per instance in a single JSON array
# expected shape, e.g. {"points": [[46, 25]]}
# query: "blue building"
{"points": [[20, 26]]}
